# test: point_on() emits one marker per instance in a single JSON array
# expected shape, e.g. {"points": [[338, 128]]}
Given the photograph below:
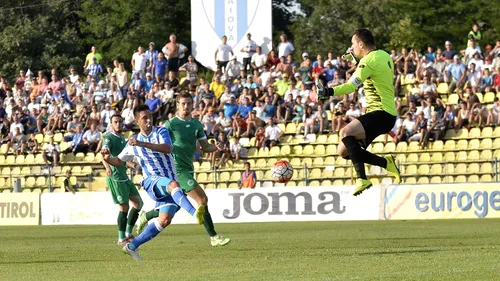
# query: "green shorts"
{"points": [[187, 181], [121, 190]]}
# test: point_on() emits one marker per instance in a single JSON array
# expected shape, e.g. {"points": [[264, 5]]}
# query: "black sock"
{"points": [[209, 224], [152, 214], [132, 218], [355, 153], [363, 156]]}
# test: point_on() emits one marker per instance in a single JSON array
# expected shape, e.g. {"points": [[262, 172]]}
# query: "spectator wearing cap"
{"points": [[250, 83], [258, 59], [272, 60], [191, 69], [217, 87], [285, 47], [248, 50], [106, 115], [449, 53], [89, 59], [139, 61], [328, 73], [222, 55], [233, 68], [149, 82], [152, 55], [100, 92], [94, 69], [455, 74]]}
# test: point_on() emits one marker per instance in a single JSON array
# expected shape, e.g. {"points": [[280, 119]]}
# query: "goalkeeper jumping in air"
{"points": [[375, 72]]}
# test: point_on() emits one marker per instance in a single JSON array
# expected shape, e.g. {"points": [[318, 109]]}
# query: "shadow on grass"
{"points": [[416, 251]]}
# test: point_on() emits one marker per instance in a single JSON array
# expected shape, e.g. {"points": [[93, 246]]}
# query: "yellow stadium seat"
{"points": [[76, 170], [390, 147], [290, 128], [89, 157], [400, 158], [331, 149], [16, 171], [486, 178], [315, 173], [322, 139], [437, 145], [473, 155], [424, 157], [318, 161], [496, 143], [436, 169], [340, 161], [380, 138], [25, 171], [435, 180], [29, 159], [442, 89], [437, 157], [449, 156], [2, 159], [338, 182], [333, 138], [310, 138], [39, 138], [423, 169], [480, 96], [210, 186], [330, 160], [453, 99], [489, 97], [486, 155], [297, 150], [461, 168], [450, 134], [326, 183], [308, 150], [36, 170], [473, 144], [3, 183], [224, 176], [30, 182], [375, 181], [11, 159], [307, 161], [138, 178], [496, 132], [473, 178], [3, 149], [314, 183], [295, 162], [423, 180], [449, 168], [233, 185], [221, 185], [327, 173], [449, 144], [412, 158], [275, 151], [6, 171], [270, 162], [281, 126], [235, 176], [411, 170], [267, 175], [402, 147], [202, 177], [263, 152], [291, 183], [486, 168], [339, 173], [87, 170], [461, 145], [461, 134], [474, 133], [267, 184], [261, 163], [26, 190], [410, 180], [377, 148], [487, 132], [285, 150], [319, 150], [79, 157], [413, 146], [205, 166], [39, 159], [461, 156], [486, 144], [298, 139], [69, 157], [20, 159]]}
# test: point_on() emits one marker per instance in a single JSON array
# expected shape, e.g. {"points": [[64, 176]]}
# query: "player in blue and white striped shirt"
{"points": [[152, 147]]}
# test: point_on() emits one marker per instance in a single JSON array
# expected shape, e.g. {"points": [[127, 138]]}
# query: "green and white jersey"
{"points": [[115, 144], [184, 134]]}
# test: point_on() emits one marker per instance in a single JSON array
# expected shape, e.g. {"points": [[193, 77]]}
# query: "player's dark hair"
{"points": [[140, 108], [115, 115], [365, 36], [184, 95]]}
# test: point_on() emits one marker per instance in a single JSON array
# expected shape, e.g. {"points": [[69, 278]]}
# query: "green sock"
{"points": [[122, 224], [152, 214], [209, 224], [132, 218]]}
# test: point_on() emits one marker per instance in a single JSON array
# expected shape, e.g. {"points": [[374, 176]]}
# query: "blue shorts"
{"points": [[157, 187]]}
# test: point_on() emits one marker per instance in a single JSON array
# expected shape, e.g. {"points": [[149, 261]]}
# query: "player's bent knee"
{"points": [[172, 185], [124, 207], [164, 221]]}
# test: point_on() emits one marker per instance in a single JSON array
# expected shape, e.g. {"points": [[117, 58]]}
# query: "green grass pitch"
{"points": [[378, 250]]}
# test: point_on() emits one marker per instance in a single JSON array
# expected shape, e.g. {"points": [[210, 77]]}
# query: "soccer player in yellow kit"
{"points": [[375, 71]]}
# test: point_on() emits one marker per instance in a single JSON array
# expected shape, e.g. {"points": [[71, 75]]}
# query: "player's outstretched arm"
{"points": [[162, 147], [117, 162], [207, 147]]}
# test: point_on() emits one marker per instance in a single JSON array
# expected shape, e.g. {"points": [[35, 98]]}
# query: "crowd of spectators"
{"points": [[248, 96]]}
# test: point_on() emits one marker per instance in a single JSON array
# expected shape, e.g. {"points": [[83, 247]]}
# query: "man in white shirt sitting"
{"points": [[51, 153], [272, 134]]}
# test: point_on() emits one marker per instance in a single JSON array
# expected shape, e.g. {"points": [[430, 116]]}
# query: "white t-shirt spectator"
{"points": [[259, 60], [117, 95], [474, 78], [409, 125], [235, 148], [284, 49], [32, 106], [258, 111], [140, 61], [264, 78], [273, 132], [250, 47], [353, 113], [225, 98], [106, 115], [223, 52], [479, 63], [128, 115], [73, 78], [92, 137], [50, 148], [13, 126]]}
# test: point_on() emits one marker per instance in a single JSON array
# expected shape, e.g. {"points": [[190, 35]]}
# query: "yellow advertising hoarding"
{"points": [[19, 209]]}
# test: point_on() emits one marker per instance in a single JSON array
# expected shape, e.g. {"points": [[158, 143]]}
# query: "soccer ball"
{"points": [[282, 171]]}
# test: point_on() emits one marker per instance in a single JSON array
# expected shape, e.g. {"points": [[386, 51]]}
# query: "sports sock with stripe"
{"points": [[150, 232]]}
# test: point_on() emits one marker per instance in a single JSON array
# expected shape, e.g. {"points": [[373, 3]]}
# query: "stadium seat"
{"points": [[485, 178], [340, 161], [449, 168], [68, 158], [423, 180], [331, 149], [461, 145], [486, 155], [285, 150], [310, 138], [436, 169], [437, 145], [375, 181], [318, 161], [486, 168], [461, 134], [410, 180], [435, 180], [210, 186], [496, 143], [6, 171], [291, 183], [402, 147], [263, 152], [330, 160], [295, 162], [10, 159], [487, 132], [267, 175], [315, 173], [479, 96], [201, 177], [424, 157], [322, 139], [473, 178], [26, 171], [473, 155], [267, 184], [326, 183], [473, 144], [307, 162], [319, 150], [298, 139], [423, 169], [333, 138], [297, 150], [314, 183], [442, 89], [76, 170], [290, 128], [412, 158], [413, 146], [489, 97], [453, 99], [400, 158], [30, 182], [474, 133], [224, 177], [261, 163], [29, 159], [437, 157], [461, 156], [16, 171], [308, 150], [460, 169], [205, 166], [338, 182], [486, 144], [411, 170], [39, 159], [327, 173], [449, 156], [339, 173], [274, 151], [235, 176], [377, 148], [390, 147]]}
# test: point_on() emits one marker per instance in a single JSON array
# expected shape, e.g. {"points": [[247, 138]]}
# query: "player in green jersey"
{"points": [[122, 189], [375, 72], [185, 131]]}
